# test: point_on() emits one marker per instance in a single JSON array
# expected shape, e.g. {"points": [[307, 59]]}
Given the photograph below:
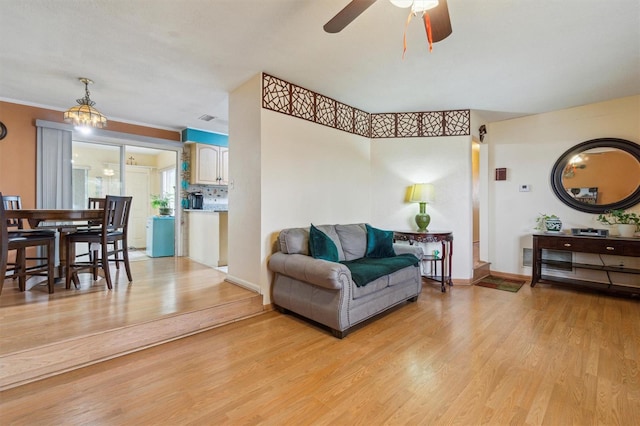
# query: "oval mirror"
{"points": [[598, 175]]}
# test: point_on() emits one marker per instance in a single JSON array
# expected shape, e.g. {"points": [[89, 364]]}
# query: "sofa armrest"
{"points": [[320, 272], [415, 249]]}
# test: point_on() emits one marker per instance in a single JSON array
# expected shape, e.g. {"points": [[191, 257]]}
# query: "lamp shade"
{"points": [[422, 193], [84, 114]]}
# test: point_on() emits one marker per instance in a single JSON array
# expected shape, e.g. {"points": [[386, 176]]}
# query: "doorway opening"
{"points": [[107, 168], [480, 267]]}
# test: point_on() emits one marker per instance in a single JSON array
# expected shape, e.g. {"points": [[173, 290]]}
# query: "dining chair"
{"points": [[20, 240], [96, 203], [109, 239], [14, 202]]}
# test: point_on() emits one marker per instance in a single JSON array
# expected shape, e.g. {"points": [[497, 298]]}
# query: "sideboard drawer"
{"points": [[587, 245], [632, 249]]}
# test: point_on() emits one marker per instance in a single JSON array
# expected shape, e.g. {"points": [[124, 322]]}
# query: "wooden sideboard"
{"points": [[582, 244]]}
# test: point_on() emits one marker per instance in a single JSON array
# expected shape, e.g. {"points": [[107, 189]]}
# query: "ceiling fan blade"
{"points": [[440, 21], [346, 15]]}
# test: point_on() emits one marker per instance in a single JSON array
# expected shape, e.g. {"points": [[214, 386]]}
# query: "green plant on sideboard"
{"points": [[616, 217], [548, 223]]}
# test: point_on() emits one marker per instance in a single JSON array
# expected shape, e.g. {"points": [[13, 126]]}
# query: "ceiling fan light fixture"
{"points": [[403, 4], [84, 115], [417, 6], [421, 6]]}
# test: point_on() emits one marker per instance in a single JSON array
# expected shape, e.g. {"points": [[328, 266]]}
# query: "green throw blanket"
{"points": [[367, 269]]}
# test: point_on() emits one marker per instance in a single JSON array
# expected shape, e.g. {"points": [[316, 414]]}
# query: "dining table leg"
{"points": [[63, 253]]}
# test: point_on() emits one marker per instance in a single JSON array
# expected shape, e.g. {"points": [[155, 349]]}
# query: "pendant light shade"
{"points": [[84, 114]]}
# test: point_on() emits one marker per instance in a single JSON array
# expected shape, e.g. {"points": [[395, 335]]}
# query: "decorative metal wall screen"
{"points": [[287, 98]]}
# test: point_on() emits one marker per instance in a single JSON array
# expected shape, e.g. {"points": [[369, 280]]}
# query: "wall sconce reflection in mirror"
{"points": [[577, 162]]}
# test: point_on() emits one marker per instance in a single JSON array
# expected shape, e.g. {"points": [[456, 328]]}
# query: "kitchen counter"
{"points": [[208, 236], [204, 211]]}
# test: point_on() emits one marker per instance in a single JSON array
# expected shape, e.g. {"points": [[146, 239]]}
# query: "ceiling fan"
{"points": [[434, 13]]}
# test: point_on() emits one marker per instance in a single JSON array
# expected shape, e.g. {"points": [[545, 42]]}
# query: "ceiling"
{"points": [[164, 63]]}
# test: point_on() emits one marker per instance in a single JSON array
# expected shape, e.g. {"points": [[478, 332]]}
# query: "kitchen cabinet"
{"points": [[209, 164], [208, 237]]}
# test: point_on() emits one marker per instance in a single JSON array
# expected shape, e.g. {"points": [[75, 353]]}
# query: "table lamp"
{"points": [[422, 193]]}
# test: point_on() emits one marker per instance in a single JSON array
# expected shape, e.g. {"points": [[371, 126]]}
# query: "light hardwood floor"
{"points": [[473, 355], [43, 334]]}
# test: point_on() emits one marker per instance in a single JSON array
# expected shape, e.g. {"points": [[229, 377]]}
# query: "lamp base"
{"points": [[422, 220]]}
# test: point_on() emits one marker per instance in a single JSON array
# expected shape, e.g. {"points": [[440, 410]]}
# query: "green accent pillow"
{"points": [[321, 246], [379, 243]]}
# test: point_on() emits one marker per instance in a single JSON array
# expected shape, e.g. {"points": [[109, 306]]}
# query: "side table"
{"points": [[446, 239]]}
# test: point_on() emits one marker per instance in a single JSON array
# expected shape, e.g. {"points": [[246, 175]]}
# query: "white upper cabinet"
{"points": [[209, 164]]}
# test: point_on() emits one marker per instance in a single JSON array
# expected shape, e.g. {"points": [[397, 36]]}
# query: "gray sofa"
{"points": [[324, 291]]}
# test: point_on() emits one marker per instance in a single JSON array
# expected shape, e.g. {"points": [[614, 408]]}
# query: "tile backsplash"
{"points": [[214, 197]]}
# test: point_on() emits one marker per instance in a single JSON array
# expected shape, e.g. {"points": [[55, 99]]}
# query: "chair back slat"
{"points": [[95, 204], [13, 202], [116, 213]]}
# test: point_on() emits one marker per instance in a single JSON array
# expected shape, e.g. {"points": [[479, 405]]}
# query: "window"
{"points": [[168, 184]]}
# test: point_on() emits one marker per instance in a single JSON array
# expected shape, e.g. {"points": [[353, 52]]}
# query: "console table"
{"points": [[446, 239], [584, 244]]}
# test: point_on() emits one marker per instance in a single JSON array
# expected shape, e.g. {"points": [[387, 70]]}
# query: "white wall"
{"points": [[289, 172], [310, 174], [286, 172], [443, 161], [528, 147], [245, 208]]}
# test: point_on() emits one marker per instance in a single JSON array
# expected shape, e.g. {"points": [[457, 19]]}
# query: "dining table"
{"points": [[59, 217], [64, 221]]}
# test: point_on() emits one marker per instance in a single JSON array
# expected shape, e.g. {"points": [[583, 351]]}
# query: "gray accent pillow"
{"points": [[294, 241], [353, 239]]}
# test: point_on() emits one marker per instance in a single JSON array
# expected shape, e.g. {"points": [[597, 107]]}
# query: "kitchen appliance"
{"points": [[160, 236], [196, 199]]}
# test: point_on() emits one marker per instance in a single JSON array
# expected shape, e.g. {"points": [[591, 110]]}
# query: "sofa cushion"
{"points": [[372, 287], [379, 243], [353, 239], [294, 241], [321, 246]]}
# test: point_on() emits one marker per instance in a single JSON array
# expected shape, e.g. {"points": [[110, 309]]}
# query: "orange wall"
{"points": [[18, 148]]}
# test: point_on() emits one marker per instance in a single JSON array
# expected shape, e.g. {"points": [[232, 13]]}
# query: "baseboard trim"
{"points": [[242, 283]]}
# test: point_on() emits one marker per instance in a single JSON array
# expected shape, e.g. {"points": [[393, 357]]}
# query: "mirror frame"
{"points": [[558, 168]]}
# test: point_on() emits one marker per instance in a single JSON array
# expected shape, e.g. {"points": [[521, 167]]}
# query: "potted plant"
{"points": [[162, 203], [548, 223], [627, 223]]}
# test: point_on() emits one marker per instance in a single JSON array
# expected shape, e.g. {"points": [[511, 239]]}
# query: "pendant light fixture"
{"points": [[84, 115]]}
